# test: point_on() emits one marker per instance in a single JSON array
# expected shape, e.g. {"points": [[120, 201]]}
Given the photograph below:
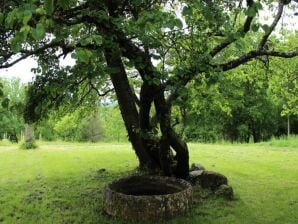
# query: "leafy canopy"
{"points": [[184, 40]]}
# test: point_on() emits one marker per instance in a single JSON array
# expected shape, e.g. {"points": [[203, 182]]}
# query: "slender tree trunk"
{"points": [[29, 137], [289, 129], [181, 169]]}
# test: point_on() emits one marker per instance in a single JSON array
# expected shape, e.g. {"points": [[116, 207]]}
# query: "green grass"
{"points": [[291, 141], [5, 142], [62, 183]]}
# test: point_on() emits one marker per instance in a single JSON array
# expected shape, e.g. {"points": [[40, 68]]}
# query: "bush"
{"points": [[28, 145]]}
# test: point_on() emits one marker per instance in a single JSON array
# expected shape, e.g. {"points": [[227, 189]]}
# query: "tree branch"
{"points": [[244, 29], [253, 54], [99, 93], [272, 26], [25, 54]]}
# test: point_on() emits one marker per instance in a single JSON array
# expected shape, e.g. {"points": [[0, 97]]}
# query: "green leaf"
{"points": [[265, 27], [40, 11], [178, 23], [82, 55], [39, 32], [252, 11], [27, 16], [49, 6], [64, 4], [93, 39], [1, 17], [48, 23], [97, 39], [25, 30], [86, 41], [16, 44], [187, 11], [258, 5], [11, 17], [171, 23], [102, 15], [5, 103], [255, 27]]}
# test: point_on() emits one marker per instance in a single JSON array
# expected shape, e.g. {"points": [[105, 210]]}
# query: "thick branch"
{"points": [[25, 53], [7, 65], [253, 54], [54, 44]]}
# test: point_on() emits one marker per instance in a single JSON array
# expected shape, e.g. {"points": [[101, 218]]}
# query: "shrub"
{"points": [[28, 145]]}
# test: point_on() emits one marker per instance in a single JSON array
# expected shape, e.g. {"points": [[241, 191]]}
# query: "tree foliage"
{"points": [[11, 108]]}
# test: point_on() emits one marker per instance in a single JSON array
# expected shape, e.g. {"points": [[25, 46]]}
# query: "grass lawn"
{"points": [[62, 183]]}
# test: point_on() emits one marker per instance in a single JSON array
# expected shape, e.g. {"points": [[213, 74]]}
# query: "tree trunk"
{"points": [[29, 137], [289, 130], [127, 105], [153, 151], [181, 168]]}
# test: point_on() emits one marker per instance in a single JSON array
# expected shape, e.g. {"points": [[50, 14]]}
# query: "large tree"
{"points": [[145, 51]]}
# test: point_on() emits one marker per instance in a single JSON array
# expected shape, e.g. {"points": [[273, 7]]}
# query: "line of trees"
{"points": [[103, 123], [93, 124], [250, 104]]}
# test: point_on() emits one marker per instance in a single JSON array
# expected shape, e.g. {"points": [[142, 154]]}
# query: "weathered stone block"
{"points": [[194, 176], [211, 180], [225, 191], [196, 166]]}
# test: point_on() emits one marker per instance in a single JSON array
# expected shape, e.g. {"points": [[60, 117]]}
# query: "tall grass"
{"points": [[5, 142], [284, 141]]}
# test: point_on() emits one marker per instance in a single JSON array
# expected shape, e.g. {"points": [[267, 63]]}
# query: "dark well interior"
{"points": [[139, 186]]}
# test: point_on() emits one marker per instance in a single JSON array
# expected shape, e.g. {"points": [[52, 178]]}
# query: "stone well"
{"points": [[144, 198]]}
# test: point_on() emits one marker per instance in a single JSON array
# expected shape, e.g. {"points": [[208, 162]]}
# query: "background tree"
{"points": [[112, 123], [66, 127], [239, 107], [92, 129], [11, 109], [285, 86], [187, 39]]}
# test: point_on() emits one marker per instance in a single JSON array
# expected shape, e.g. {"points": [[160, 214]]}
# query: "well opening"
{"points": [[139, 186], [146, 198]]}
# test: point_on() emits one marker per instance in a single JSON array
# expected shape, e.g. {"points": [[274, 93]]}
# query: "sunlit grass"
{"points": [[62, 182], [284, 141], [5, 142]]}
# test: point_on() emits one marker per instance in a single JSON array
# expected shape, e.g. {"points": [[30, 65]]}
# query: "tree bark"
{"points": [[29, 137], [288, 126], [181, 168], [127, 105], [153, 151]]}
